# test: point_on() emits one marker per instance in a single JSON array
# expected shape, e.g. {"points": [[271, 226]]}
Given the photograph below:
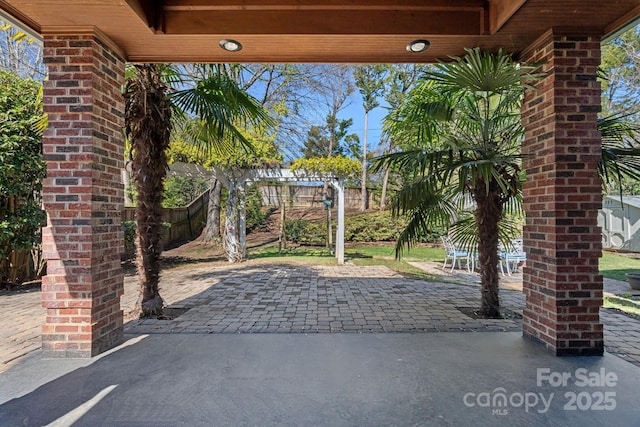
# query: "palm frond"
{"points": [[426, 207], [620, 149], [464, 231], [421, 113], [481, 71], [222, 107]]}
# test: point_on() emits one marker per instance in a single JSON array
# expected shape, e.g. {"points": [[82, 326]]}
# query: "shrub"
{"points": [[303, 231], [21, 174], [368, 227], [179, 191], [380, 227], [255, 216], [130, 237], [294, 229]]}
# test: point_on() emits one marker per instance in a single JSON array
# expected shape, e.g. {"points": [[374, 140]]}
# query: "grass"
{"points": [[399, 266], [417, 253], [301, 254], [386, 255], [377, 254], [622, 304], [614, 266]]}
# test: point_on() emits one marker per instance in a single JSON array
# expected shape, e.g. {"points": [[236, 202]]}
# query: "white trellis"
{"points": [[235, 181], [286, 175]]}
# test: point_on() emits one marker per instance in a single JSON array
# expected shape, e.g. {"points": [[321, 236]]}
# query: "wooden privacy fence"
{"points": [[186, 223], [307, 196]]}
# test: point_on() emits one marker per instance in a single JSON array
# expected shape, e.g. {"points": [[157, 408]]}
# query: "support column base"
{"points": [[597, 350]]}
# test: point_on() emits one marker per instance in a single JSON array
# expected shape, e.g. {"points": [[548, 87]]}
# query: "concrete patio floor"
{"points": [[377, 379]]}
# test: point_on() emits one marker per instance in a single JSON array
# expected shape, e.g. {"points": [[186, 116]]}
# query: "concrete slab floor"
{"points": [[445, 379]]}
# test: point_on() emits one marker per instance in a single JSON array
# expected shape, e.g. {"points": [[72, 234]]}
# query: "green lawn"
{"points": [[387, 251], [302, 254], [623, 304], [386, 255], [614, 266], [377, 254]]}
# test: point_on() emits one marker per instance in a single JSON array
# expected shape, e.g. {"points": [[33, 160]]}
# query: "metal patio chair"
{"points": [[512, 254], [454, 254]]}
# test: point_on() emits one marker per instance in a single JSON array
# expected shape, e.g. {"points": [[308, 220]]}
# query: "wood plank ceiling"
{"points": [[352, 31]]}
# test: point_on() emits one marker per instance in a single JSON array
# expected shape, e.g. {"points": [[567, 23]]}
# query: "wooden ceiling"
{"points": [[351, 31]]}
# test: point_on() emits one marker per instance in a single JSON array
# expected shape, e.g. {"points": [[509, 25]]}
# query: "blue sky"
{"points": [[355, 111]]}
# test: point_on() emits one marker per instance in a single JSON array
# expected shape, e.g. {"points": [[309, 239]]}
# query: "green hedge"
{"points": [[130, 237], [368, 227]]}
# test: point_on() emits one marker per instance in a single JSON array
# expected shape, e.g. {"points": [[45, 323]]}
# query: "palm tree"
{"points": [[152, 109], [465, 118], [467, 121], [148, 127]]}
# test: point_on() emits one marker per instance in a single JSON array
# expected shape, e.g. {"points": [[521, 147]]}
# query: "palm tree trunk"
{"points": [[488, 214], [148, 125]]}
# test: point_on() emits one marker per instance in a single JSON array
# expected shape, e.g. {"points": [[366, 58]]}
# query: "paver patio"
{"points": [[257, 297], [287, 298]]}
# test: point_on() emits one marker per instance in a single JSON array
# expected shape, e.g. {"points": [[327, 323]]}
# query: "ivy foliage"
{"points": [[180, 191], [341, 166], [22, 168]]}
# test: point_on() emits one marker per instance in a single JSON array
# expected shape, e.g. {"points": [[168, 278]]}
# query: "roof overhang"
{"points": [[318, 31]]}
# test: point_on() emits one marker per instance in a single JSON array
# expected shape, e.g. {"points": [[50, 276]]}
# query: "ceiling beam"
{"points": [[500, 11], [151, 13], [25, 23], [351, 22], [338, 5], [623, 23]]}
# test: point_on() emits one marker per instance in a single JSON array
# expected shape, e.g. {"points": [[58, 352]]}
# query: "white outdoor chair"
{"points": [[512, 255], [455, 254]]}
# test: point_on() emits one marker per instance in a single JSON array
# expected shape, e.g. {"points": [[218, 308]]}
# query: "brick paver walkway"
{"points": [[21, 326], [287, 298], [263, 298]]}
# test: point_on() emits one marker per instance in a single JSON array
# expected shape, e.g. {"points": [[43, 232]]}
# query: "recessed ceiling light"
{"points": [[418, 45], [231, 45]]}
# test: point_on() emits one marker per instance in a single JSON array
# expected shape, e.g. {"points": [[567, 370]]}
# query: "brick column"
{"points": [[83, 195], [562, 195]]}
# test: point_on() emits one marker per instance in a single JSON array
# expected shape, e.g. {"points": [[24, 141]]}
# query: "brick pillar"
{"points": [[83, 195], [562, 195]]}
